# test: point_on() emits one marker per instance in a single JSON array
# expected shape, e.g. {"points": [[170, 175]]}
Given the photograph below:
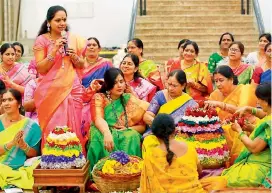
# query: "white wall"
{"points": [[266, 10], [108, 20]]}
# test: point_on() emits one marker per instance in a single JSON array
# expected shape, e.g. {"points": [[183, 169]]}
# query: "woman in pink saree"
{"points": [[13, 74], [58, 96]]}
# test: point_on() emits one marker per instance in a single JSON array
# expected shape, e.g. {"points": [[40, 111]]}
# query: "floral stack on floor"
{"points": [[201, 128], [118, 172], [62, 150]]}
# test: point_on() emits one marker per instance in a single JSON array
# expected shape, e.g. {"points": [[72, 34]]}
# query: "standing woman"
{"points": [[221, 57], [13, 74], [58, 97], [258, 58], [135, 84], [177, 59], [91, 77], [199, 83], [243, 71], [147, 68], [263, 74]]}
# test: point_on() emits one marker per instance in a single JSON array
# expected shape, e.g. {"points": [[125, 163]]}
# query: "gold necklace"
{"points": [[91, 63], [4, 69]]}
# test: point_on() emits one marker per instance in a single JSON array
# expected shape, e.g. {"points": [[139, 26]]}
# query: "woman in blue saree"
{"points": [[20, 139], [92, 75], [172, 101]]}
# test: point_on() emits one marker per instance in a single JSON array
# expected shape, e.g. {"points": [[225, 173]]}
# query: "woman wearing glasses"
{"points": [[244, 72]]}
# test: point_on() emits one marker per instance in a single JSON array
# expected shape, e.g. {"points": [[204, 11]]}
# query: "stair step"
{"points": [[155, 31], [193, 18], [173, 24], [196, 12], [193, 2], [185, 8]]}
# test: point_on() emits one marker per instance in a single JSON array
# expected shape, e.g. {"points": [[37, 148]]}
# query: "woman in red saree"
{"points": [[58, 97]]}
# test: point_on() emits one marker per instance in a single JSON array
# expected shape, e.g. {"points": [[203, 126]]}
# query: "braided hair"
{"points": [[162, 127]]}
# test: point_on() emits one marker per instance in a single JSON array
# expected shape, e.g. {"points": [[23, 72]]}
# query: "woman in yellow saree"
{"points": [[169, 166], [199, 83], [172, 101], [253, 166], [228, 97], [20, 139]]}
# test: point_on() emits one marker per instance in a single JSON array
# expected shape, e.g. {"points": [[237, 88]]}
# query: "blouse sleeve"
{"points": [[29, 91], [97, 106], [40, 49]]}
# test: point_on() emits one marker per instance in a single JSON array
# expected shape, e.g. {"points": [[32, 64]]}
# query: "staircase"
{"points": [[203, 21]]}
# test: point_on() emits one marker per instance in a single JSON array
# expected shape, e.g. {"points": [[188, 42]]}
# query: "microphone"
{"points": [[65, 46]]}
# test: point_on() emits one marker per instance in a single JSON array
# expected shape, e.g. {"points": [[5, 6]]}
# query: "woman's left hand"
{"points": [[74, 57], [236, 127]]}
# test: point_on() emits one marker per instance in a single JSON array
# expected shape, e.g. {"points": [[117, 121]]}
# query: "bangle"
{"points": [[50, 58], [241, 134], [254, 111], [6, 148], [26, 149]]}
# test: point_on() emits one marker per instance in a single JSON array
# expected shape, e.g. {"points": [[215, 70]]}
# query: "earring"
{"points": [[108, 94], [48, 27]]}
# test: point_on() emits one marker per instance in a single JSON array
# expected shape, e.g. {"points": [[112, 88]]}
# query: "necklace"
{"points": [[115, 113], [6, 70], [91, 63], [11, 120], [185, 67]]}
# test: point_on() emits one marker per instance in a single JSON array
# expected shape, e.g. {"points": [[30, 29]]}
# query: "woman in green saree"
{"points": [[253, 166], [117, 119], [20, 139]]}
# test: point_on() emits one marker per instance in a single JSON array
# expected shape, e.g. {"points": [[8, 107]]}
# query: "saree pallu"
{"points": [[150, 71], [249, 170], [244, 73], [29, 95], [243, 95], [143, 89], [266, 76], [88, 75], [58, 97], [176, 107], [12, 170], [19, 74], [215, 60], [127, 140], [158, 177], [198, 73]]}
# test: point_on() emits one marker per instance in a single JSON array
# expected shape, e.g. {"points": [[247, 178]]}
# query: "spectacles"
{"points": [[234, 50]]}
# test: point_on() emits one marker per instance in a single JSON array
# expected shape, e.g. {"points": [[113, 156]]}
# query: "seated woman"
{"points": [[147, 68], [263, 74], [199, 83], [15, 75], [228, 97], [92, 75], [243, 71], [172, 101], [20, 139], [117, 119], [170, 166], [135, 83], [253, 166]]}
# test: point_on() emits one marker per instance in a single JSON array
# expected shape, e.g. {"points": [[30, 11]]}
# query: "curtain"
{"points": [[9, 20]]}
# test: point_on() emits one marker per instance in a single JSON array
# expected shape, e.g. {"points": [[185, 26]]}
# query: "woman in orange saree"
{"points": [[58, 96], [228, 97]]}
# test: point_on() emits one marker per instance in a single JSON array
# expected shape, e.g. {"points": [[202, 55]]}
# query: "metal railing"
{"points": [[133, 19], [258, 14], [143, 7], [245, 7]]}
